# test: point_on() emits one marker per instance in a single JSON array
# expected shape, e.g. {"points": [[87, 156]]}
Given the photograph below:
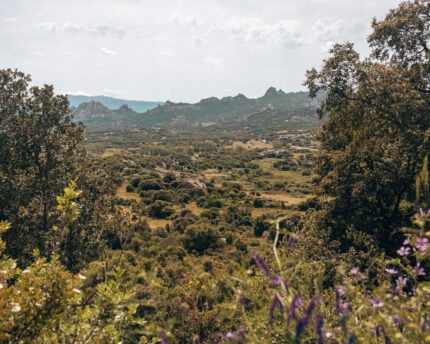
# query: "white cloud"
{"points": [[100, 29], [327, 46], [168, 53], [38, 54], [214, 62], [48, 26], [107, 51], [71, 54], [181, 19], [107, 30], [10, 20], [166, 49], [255, 30], [77, 93]]}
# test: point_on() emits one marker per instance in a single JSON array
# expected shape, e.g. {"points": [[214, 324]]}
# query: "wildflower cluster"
{"points": [[393, 311]]}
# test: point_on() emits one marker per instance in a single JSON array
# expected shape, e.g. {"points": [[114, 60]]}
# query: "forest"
{"points": [[304, 231]]}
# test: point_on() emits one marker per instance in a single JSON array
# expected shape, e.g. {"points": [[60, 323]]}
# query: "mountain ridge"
{"points": [[274, 103]]}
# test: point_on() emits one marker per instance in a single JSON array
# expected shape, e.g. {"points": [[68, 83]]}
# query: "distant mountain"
{"points": [[113, 103], [230, 108], [274, 105]]}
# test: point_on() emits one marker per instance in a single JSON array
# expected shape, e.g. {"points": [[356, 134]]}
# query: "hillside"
{"points": [[274, 105]]}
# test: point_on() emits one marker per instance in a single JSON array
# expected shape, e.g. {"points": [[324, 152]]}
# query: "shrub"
{"points": [[200, 236]]}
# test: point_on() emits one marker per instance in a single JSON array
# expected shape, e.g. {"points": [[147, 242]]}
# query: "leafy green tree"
{"points": [[377, 122], [38, 150], [40, 153]]}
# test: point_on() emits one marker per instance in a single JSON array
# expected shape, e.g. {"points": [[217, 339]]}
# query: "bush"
{"points": [[200, 236], [161, 210]]}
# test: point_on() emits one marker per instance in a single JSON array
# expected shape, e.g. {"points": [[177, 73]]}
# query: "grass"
{"points": [[111, 152], [155, 223], [283, 197], [252, 144], [192, 206], [122, 193]]}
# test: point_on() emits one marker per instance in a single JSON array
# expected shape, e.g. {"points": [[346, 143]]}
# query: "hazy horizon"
{"points": [[179, 50]]}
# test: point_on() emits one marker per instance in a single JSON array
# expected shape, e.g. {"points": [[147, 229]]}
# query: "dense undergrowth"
{"points": [[217, 237]]}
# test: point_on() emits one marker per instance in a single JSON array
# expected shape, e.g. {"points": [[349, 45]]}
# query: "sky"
{"points": [[178, 50]]}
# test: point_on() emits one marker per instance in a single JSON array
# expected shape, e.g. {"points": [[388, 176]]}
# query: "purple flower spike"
{"points": [[262, 265], [303, 322], [403, 251], [276, 303], [319, 326], [296, 302]]}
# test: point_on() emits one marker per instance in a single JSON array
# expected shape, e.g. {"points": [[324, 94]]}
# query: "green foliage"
{"points": [[160, 210], [200, 236], [375, 133]]}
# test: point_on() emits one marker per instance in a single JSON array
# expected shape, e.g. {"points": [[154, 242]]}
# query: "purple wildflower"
{"points": [[421, 244], [276, 303], [406, 241], [296, 302], [419, 270], [262, 265], [375, 302], [403, 251], [355, 271], [276, 280], [303, 322], [391, 271], [395, 320], [401, 281], [314, 302], [163, 336], [341, 291], [319, 326], [239, 336], [421, 212]]}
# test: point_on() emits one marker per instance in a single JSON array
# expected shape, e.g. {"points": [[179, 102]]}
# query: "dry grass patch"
{"points": [[192, 206], [155, 223], [212, 173], [252, 144], [271, 212], [287, 198], [122, 193], [110, 152]]}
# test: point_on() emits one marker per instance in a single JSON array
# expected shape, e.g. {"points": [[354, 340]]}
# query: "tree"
{"points": [[40, 153], [377, 122]]}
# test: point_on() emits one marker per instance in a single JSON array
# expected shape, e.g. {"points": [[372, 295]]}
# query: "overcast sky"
{"points": [[178, 50]]}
